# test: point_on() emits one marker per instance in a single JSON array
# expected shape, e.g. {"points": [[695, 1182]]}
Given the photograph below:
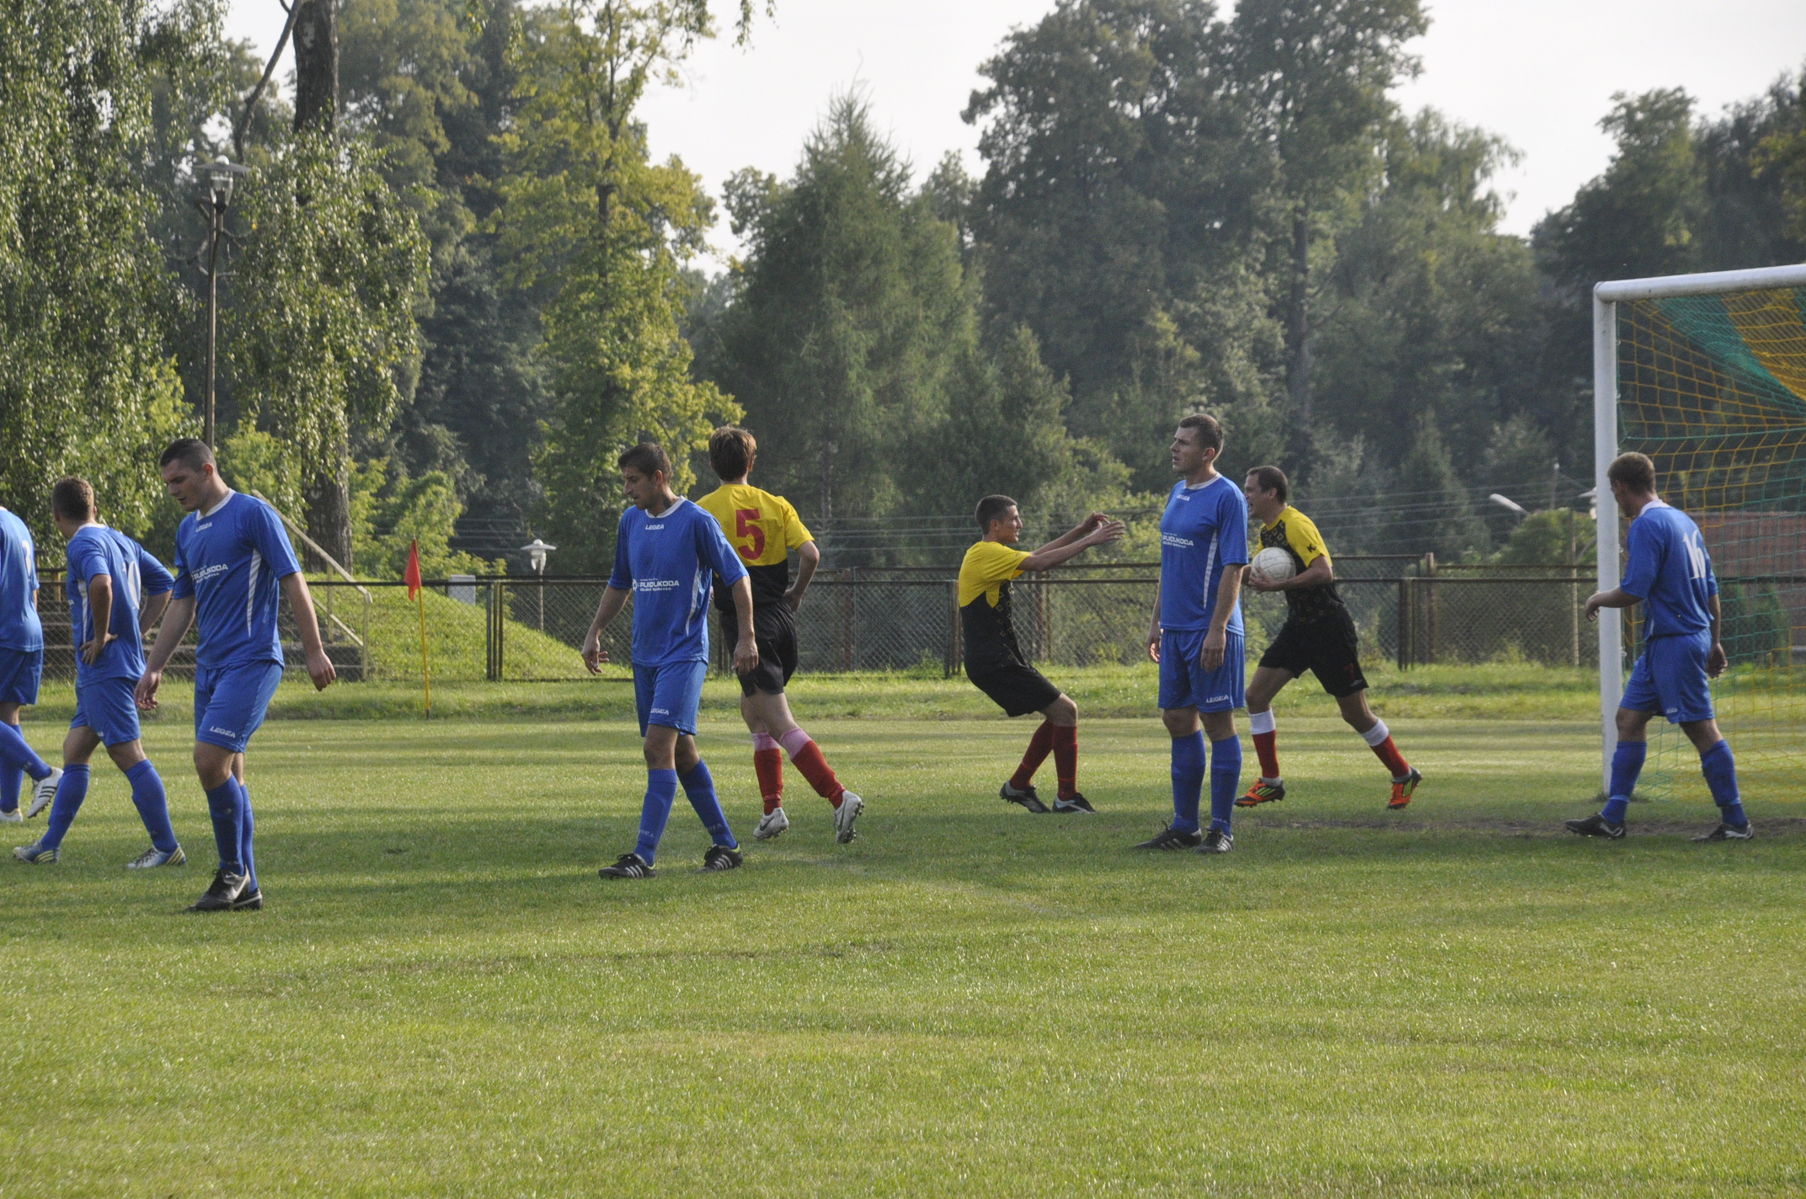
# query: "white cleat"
{"points": [[154, 857], [844, 816], [771, 824], [13, 817], [44, 790]]}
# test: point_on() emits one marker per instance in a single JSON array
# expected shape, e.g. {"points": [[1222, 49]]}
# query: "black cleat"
{"points": [[628, 865], [720, 857], [1172, 838], [223, 895], [1595, 826], [249, 901], [1073, 803], [1217, 841], [1729, 832], [1026, 797]]}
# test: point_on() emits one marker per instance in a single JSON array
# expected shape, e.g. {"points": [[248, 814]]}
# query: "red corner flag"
{"points": [[411, 576]]}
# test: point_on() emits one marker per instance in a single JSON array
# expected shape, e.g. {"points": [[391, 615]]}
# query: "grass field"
{"points": [[443, 999]]}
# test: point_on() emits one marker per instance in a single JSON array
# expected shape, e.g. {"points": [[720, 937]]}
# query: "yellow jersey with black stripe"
{"points": [[1297, 534], [763, 528], [984, 602]]}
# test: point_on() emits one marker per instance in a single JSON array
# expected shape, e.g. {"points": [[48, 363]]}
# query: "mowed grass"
{"points": [[443, 999]]}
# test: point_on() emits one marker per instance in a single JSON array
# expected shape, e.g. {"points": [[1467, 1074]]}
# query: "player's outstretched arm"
{"points": [[313, 650], [808, 557], [613, 599], [746, 647], [1061, 549], [169, 635]]}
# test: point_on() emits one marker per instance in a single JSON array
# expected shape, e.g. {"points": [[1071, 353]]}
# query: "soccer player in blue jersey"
{"points": [[234, 567], [667, 553], [1196, 636], [1668, 571], [107, 572], [21, 667]]}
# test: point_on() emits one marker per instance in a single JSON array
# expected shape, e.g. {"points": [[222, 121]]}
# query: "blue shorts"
{"points": [[20, 670], [669, 694], [107, 707], [1670, 678], [229, 702], [1184, 683]]}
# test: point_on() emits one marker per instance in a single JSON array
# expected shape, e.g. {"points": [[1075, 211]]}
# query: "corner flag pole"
{"points": [[412, 577]]}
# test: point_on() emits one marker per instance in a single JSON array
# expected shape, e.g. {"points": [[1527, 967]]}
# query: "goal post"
{"points": [[1706, 374]]}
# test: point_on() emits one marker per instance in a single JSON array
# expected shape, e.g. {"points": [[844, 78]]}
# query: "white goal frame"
{"points": [[1606, 298]]}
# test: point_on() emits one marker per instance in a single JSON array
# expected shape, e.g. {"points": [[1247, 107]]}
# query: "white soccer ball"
{"points": [[1273, 565]]}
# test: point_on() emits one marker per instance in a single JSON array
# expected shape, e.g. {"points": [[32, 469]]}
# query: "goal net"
{"points": [[1707, 375]]}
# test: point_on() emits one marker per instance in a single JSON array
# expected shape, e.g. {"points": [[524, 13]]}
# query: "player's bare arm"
{"points": [[1216, 640], [808, 557], [612, 601], [1617, 597], [1716, 659], [1316, 574], [1154, 632], [313, 650], [746, 648], [175, 626], [152, 612], [1073, 543], [100, 607]]}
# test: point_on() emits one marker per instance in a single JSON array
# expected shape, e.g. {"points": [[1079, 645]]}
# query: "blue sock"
{"points": [[1188, 780], [10, 779], [225, 803], [1225, 777], [152, 803], [661, 793], [1627, 764], [14, 752], [699, 787], [244, 841], [1720, 769], [69, 795]]}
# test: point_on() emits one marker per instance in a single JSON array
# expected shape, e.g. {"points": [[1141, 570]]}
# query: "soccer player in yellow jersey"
{"points": [[995, 663], [1318, 635], [763, 528]]}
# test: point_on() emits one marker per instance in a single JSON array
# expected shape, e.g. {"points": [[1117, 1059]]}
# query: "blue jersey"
{"points": [[1203, 530], [1669, 570], [19, 627], [97, 550], [231, 560], [668, 561]]}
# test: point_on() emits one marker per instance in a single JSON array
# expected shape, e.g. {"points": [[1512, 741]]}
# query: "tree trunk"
{"points": [[316, 65], [1298, 341], [329, 509]]}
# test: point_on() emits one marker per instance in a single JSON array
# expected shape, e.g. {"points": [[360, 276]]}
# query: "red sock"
{"points": [[1266, 746], [1066, 758], [815, 768], [1395, 761], [768, 765], [1039, 746]]}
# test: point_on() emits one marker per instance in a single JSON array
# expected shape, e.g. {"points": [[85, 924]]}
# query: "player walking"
{"points": [[1196, 636], [1667, 570], [666, 552], [995, 662], [234, 567], [107, 572], [1318, 635], [763, 528], [21, 668]]}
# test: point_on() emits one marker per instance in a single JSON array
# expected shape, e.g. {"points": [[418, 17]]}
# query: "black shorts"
{"points": [[1325, 647], [774, 632], [1015, 687]]}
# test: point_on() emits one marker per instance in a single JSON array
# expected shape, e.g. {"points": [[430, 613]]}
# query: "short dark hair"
{"points": [[991, 508], [73, 497], [731, 451], [1210, 432], [1633, 470], [648, 458], [191, 452], [1271, 478]]}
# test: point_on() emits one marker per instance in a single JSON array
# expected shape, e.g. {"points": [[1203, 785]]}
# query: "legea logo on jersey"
{"points": [[655, 584], [1173, 539], [653, 528], [207, 572]]}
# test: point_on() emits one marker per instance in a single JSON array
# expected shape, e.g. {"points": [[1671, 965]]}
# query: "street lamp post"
{"points": [[536, 551], [221, 177]]}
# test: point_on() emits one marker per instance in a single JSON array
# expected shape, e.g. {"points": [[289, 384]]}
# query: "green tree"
{"points": [[86, 382]]}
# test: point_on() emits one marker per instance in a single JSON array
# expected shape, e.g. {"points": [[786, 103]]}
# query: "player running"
{"points": [[763, 528], [107, 573], [234, 567], [21, 669], [1196, 636], [1667, 570], [1318, 635], [995, 662], [666, 552]]}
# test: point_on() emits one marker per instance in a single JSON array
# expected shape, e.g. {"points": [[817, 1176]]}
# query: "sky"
{"points": [[1539, 73]]}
